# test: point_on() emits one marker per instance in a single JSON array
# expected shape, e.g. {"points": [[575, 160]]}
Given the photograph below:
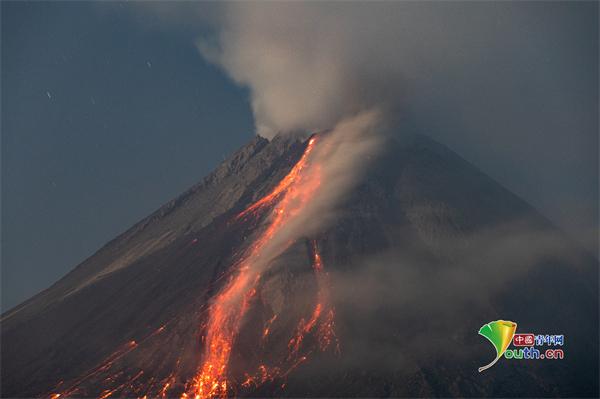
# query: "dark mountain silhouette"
{"points": [[423, 252]]}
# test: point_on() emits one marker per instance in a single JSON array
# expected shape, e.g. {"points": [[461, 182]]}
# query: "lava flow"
{"points": [[288, 198]]}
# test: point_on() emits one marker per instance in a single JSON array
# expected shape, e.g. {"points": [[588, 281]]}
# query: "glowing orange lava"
{"points": [[267, 328], [284, 184], [326, 333], [289, 197]]}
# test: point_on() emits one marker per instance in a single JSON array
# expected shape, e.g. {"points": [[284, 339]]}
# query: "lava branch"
{"points": [[320, 325], [322, 318], [326, 334], [226, 313]]}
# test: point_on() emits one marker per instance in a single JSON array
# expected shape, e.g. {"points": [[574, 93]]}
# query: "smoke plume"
{"points": [[306, 65]]}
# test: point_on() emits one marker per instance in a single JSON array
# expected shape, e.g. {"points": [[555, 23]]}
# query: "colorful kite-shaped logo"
{"points": [[500, 333]]}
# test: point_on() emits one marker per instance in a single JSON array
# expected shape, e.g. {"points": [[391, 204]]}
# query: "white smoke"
{"points": [[307, 65]]}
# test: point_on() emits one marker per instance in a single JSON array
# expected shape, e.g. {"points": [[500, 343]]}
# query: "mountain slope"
{"points": [[385, 301]]}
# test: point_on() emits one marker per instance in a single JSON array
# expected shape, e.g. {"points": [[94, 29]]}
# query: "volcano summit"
{"points": [[245, 286]]}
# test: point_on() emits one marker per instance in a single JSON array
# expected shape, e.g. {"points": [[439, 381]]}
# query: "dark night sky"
{"points": [[102, 122], [104, 119]]}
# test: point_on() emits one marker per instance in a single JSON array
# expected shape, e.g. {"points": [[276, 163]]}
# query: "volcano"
{"points": [[385, 299]]}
